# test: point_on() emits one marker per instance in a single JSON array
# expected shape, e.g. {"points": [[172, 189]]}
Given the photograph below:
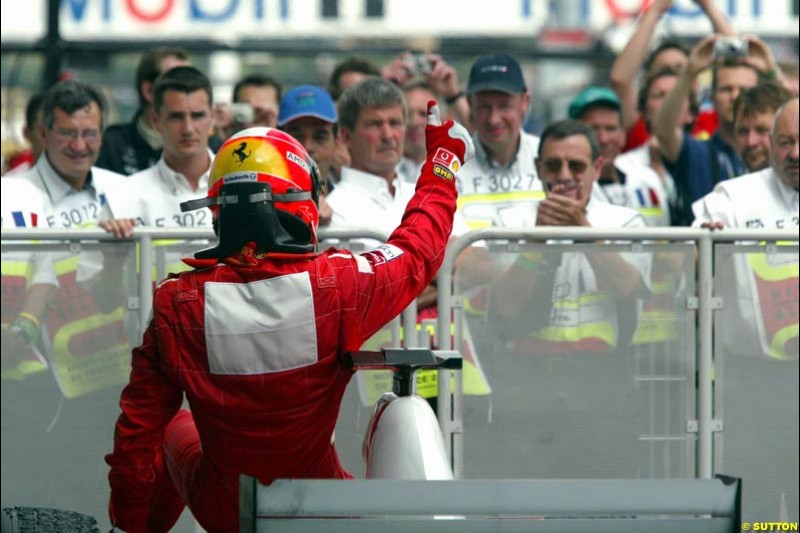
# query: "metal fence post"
{"points": [[705, 319]]}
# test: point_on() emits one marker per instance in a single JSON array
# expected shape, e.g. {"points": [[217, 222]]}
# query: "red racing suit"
{"points": [[258, 411]]}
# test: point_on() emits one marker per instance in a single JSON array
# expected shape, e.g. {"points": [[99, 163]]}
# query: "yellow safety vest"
{"points": [[90, 349], [584, 335], [16, 276], [776, 295], [659, 320]]}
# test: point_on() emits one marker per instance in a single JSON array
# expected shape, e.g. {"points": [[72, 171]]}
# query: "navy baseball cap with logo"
{"points": [[306, 101], [594, 96], [497, 72]]}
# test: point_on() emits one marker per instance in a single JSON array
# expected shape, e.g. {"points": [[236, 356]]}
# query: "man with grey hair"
{"points": [[371, 194], [72, 127], [767, 198], [763, 316], [76, 194], [372, 122]]}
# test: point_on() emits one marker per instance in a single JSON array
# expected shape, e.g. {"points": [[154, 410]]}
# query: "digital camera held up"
{"points": [[417, 64], [243, 113], [731, 48]]}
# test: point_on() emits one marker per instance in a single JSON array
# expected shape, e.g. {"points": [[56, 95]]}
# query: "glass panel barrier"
{"points": [[588, 350], [60, 393], [61, 397], [756, 376], [579, 363]]}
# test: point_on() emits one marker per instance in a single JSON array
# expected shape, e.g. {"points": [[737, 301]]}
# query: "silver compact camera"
{"points": [[417, 64], [731, 48], [243, 113]]}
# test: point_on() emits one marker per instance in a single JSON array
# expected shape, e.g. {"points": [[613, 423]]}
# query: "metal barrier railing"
{"points": [[449, 310], [145, 237], [450, 407]]}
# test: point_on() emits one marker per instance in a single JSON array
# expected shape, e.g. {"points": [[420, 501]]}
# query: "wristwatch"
{"points": [[453, 99]]}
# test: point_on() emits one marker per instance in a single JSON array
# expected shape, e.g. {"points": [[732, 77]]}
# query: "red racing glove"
{"points": [[449, 145]]}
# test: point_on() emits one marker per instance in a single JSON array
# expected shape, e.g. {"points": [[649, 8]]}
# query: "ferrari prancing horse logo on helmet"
{"points": [[241, 154]]}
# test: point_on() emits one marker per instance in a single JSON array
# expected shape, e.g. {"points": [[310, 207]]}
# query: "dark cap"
{"points": [[497, 72], [593, 96]]}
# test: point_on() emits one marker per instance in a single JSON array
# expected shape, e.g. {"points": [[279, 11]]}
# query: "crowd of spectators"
{"points": [[641, 151], [660, 151], [657, 150]]}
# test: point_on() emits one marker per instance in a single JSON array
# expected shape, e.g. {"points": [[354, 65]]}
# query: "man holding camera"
{"points": [[699, 165], [255, 104]]}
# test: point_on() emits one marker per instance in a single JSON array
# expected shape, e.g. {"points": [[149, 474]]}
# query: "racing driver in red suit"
{"points": [[255, 335]]}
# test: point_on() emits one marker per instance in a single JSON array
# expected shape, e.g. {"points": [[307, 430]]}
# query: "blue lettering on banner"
{"points": [[78, 7], [198, 10], [196, 13], [686, 11]]}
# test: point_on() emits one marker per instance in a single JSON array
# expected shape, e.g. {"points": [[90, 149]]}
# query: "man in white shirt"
{"points": [[499, 187], [624, 183], [75, 192], [182, 100], [765, 285], [90, 348], [372, 121], [765, 199], [589, 297], [28, 283], [371, 193]]}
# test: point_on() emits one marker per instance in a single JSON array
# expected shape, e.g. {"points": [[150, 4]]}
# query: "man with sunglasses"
{"points": [[594, 293]]}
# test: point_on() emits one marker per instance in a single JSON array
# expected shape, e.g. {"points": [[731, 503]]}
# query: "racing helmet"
{"points": [[263, 187]]}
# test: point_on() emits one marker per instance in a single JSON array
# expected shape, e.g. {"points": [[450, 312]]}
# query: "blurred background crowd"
{"points": [[562, 47], [604, 113]]}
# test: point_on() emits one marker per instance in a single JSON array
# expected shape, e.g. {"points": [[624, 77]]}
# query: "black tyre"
{"points": [[40, 520]]}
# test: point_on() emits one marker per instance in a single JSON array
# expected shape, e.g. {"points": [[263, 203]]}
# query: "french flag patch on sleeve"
{"points": [[25, 219]]}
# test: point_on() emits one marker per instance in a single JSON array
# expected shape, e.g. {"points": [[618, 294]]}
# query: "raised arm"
{"points": [[393, 275], [667, 127], [443, 79], [629, 62], [719, 21]]}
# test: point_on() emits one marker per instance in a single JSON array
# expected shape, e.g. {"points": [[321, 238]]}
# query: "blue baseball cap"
{"points": [[307, 101]]}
